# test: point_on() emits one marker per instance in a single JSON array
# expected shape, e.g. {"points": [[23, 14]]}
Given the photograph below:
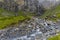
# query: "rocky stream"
{"points": [[33, 29]]}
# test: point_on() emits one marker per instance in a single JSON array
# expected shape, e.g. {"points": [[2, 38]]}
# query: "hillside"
{"points": [[20, 2], [7, 18], [30, 20], [52, 14], [55, 38]]}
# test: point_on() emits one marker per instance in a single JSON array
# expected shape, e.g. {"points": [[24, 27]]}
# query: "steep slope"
{"points": [[55, 38], [21, 2], [52, 14], [1, 0], [7, 18]]}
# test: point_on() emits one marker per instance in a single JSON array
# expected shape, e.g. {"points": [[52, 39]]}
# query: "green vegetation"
{"points": [[54, 38], [52, 14], [6, 20], [12, 20], [8, 17]]}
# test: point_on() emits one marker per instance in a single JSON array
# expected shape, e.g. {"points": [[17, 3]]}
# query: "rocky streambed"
{"points": [[34, 29]]}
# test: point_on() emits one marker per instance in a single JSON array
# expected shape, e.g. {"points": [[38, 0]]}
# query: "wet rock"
{"points": [[30, 30]]}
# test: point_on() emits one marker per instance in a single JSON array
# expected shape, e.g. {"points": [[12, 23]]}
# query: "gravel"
{"points": [[34, 29]]}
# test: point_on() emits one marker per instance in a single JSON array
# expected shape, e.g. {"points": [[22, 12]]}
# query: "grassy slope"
{"points": [[5, 21], [51, 12], [54, 38]]}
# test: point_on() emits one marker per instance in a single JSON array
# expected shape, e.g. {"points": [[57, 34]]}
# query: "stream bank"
{"points": [[33, 29]]}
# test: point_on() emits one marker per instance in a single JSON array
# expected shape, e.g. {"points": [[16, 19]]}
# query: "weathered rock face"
{"points": [[27, 5], [1, 4], [9, 5], [30, 4], [39, 5], [36, 6], [49, 3], [20, 3], [1, 0], [33, 6]]}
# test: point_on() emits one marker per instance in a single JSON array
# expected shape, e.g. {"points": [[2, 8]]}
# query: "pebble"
{"points": [[31, 30]]}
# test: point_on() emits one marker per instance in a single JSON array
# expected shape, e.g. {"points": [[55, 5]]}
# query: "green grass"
{"points": [[58, 15], [54, 38], [49, 13], [5, 21], [8, 21]]}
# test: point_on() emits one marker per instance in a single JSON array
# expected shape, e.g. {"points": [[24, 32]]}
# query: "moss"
{"points": [[54, 38], [5, 21], [49, 14]]}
